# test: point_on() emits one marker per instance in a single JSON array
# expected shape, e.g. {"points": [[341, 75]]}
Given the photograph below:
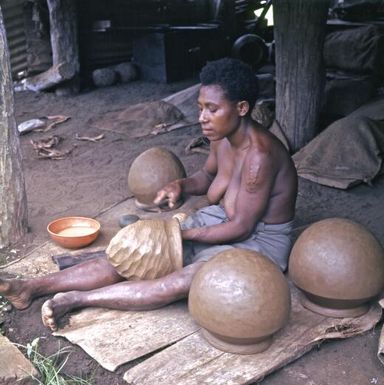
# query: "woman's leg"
{"points": [[89, 275], [127, 295]]}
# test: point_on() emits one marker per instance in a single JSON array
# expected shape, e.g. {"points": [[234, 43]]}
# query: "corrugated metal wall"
{"points": [[13, 14]]}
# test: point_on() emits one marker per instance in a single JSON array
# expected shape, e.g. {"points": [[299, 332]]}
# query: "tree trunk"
{"points": [[13, 202], [299, 28]]}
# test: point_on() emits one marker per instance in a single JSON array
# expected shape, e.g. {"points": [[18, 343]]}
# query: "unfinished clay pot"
{"points": [[240, 298], [339, 266], [150, 172], [147, 249]]}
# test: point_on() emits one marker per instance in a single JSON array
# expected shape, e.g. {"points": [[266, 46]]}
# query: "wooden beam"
{"points": [[13, 202], [299, 28], [63, 32]]}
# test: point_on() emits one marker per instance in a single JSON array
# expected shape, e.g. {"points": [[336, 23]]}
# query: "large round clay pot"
{"points": [[150, 172], [240, 299], [339, 266], [147, 249]]}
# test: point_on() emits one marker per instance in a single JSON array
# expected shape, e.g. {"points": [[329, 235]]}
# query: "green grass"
{"points": [[50, 367], [3, 304], [3, 258]]}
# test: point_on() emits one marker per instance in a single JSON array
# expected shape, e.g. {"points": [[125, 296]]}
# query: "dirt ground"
{"points": [[93, 177]]}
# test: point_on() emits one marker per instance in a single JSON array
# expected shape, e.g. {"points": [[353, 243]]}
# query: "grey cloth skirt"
{"points": [[273, 241]]}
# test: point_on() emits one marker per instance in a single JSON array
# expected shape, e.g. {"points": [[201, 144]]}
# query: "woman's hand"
{"points": [[170, 194]]}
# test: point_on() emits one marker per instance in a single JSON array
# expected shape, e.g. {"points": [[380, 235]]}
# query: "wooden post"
{"points": [[299, 28], [64, 39], [13, 202], [63, 31]]}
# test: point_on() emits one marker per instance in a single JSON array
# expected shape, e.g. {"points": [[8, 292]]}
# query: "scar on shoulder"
{"points": [[253, 176]]}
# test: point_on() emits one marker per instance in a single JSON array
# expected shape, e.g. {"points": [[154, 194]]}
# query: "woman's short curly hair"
{"points": [[235, 77]]}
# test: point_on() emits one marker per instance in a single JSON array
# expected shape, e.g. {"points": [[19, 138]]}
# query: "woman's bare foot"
{"points": [[53, 309], [17, 292]]}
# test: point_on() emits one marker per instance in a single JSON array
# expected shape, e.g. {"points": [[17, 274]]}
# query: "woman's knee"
{"points": [[181, 280]]}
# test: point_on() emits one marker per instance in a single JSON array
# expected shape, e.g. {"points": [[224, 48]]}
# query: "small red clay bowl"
{"points": [[74, 232]]}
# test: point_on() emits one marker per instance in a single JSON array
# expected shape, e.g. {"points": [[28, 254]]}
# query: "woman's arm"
{"points": [[196, 184], [253, 197]]}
